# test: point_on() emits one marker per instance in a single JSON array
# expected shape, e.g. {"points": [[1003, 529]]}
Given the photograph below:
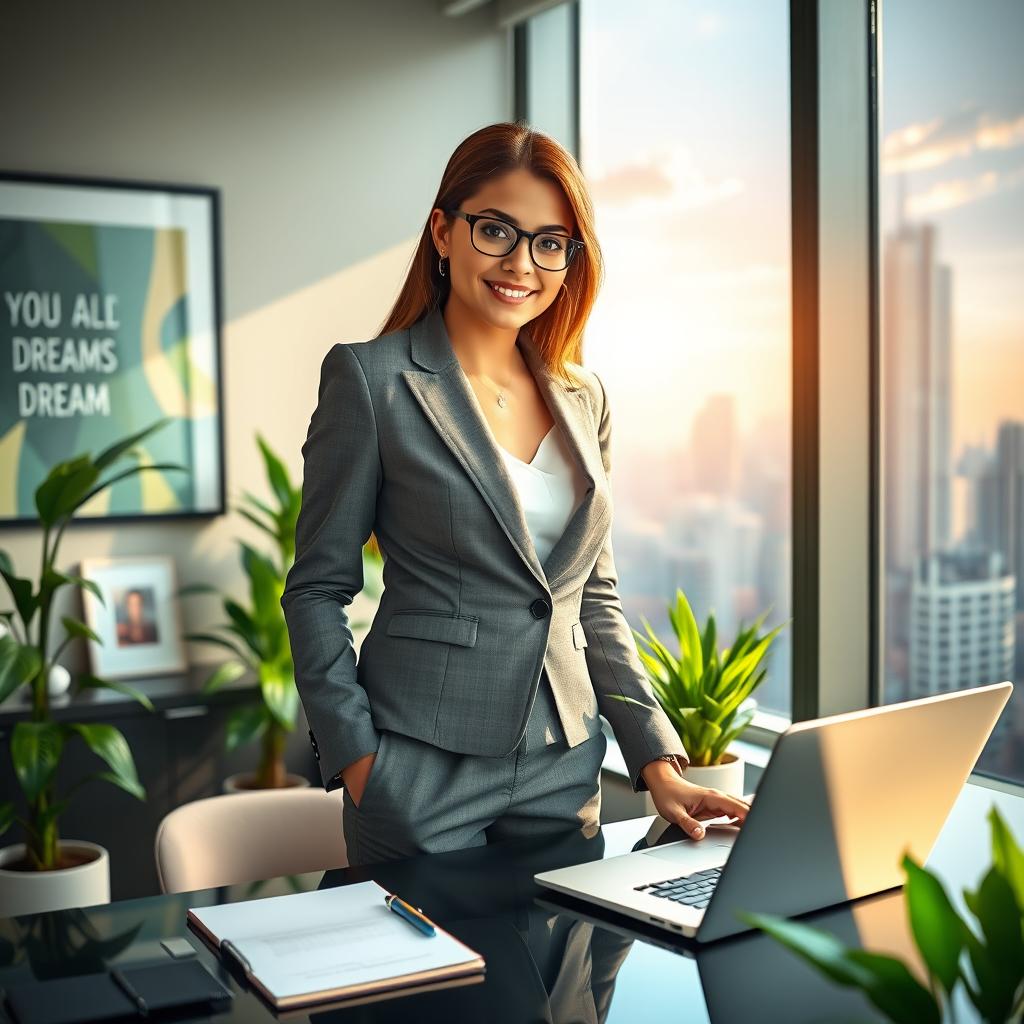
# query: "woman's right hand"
{"points": [[355, 775]]}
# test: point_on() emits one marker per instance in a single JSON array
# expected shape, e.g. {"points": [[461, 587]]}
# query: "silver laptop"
{"points": [[840, 801]]}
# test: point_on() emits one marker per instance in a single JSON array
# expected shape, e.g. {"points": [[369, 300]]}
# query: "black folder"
{"points": [[169, 989]]}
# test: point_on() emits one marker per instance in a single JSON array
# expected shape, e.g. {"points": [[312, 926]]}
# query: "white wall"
{"points": [[326, 125]]}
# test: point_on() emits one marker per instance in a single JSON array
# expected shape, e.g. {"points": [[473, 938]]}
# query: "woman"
{"points": [[468, 439]]}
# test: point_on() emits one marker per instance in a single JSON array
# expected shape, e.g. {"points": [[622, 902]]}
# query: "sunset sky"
{"points": [[685, 142], [953, 125], [687, 151]]}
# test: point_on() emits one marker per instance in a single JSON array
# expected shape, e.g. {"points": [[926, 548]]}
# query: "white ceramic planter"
{"points": [[727, 776], [237, 783], [32, 892]]}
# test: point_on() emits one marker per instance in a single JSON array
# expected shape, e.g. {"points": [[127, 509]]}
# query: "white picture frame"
{"points": [[140, 622]]}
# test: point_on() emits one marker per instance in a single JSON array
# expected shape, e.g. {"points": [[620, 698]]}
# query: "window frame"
{"points": [[838, 583]]}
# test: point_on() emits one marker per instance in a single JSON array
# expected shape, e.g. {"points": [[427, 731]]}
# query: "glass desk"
{"points": [[549, 957]]}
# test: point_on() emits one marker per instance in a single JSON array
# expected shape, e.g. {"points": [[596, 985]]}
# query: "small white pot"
{"points": [[241, 782], [32, 892], [727, 776]]}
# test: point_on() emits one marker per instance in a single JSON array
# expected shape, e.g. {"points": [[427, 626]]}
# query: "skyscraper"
{"points": [[962, 627], [715, 447], [918, 397], [1008, 514]]}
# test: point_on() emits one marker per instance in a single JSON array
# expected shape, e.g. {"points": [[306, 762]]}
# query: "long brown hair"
{"points": [[509, 145]]}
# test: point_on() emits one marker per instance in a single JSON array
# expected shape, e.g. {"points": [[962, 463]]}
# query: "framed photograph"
{"points": [[140, 624], [110, 321]]}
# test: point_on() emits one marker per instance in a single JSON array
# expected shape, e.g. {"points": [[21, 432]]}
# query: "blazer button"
{"points": [[540, 608]]}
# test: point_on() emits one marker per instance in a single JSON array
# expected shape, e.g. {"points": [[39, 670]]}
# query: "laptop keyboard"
{"points": [[691, 890]]}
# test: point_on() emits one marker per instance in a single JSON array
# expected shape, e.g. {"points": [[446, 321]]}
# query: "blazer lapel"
{"points": [[570, 409], [450, 405]]}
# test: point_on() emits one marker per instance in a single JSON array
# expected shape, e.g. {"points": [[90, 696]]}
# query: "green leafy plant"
{"points": [[38, 744], [256, 635], [702, 691], [946, 943]]}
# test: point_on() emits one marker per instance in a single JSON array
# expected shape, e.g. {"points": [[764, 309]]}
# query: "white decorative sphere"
{"points": [[59, 680]]}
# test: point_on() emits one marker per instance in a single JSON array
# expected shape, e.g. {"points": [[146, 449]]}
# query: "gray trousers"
{"points": [[422, 799]]}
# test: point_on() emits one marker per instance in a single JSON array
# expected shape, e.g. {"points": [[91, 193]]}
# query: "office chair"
{"points": [[244, 837]]}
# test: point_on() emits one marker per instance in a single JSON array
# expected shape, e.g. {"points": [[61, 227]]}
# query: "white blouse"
{"points": [[550, 488]]}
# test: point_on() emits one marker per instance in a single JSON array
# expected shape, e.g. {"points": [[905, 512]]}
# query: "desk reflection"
{"points": [[542, 964], [549, 957]]}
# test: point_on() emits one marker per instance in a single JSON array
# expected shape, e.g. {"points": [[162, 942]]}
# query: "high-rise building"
{"points": [[716, 550], [1008, 512], [995, 498], [715, 447], [977, 466], [918, 397], [961, 625]]}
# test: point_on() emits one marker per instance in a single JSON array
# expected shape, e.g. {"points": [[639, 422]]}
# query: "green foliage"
{"points": [[25, 659], [947, 944], [702, 690], [255, 635]]}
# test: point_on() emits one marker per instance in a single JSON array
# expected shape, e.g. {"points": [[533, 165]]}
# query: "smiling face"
{"points": [[524, 200]]}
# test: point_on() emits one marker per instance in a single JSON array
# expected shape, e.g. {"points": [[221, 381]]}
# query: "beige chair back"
{"points": [[244, 837]]}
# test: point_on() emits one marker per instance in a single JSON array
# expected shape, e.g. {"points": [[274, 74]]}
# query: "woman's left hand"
{"points": [[686, 804]]}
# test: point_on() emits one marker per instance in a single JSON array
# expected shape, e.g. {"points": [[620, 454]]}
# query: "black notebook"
{"points": [[169, 989]]}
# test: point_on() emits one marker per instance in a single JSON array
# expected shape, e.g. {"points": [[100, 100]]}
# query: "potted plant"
{"points": [[46, 872], [707, 695], [256, 635], [947, 944]]}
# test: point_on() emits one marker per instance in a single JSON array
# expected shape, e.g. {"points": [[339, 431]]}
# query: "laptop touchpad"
{"points": [[688, 850]]}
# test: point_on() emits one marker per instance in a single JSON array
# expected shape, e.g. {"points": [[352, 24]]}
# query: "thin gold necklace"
{"points": [[502, 399]]}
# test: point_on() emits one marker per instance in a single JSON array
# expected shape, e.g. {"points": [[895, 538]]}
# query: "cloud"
{"points": [[666, 180], [936, 142], [946, 195]]}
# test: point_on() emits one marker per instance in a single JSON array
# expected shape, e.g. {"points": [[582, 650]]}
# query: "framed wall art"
{"points": [[110, 321], [140, 622]]}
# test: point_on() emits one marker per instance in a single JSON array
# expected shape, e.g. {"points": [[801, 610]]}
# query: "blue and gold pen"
{"points": [[413, 915]]}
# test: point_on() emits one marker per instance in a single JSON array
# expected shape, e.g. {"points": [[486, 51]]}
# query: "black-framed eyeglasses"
{"points": [[495, 237]]}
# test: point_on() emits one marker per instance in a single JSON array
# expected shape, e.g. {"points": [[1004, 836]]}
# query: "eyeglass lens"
{"points": [[496, 238]]}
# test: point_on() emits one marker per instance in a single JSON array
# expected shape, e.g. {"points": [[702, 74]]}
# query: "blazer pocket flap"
{"points": [[579, 638], [432, 625]]}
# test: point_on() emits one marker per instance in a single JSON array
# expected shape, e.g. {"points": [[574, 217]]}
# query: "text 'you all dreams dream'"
{"points": [[38, 352]]}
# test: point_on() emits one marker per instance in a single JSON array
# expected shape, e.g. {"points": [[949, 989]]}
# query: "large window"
{"points": [[951, 198], [684, 138]]}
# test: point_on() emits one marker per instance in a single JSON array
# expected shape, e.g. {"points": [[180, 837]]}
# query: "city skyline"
{"points": [[962, 166], [692, 200], [951, 210], [952, 128]]}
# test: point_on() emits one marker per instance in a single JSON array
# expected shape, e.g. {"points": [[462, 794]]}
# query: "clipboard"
{"points": [[331, 945]]}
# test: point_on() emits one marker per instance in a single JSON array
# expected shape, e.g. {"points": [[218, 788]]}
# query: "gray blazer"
{"points": [[469, 617]]}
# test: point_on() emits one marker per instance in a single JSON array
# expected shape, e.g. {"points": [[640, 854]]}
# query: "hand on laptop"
{"points": [[687, 804]]}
